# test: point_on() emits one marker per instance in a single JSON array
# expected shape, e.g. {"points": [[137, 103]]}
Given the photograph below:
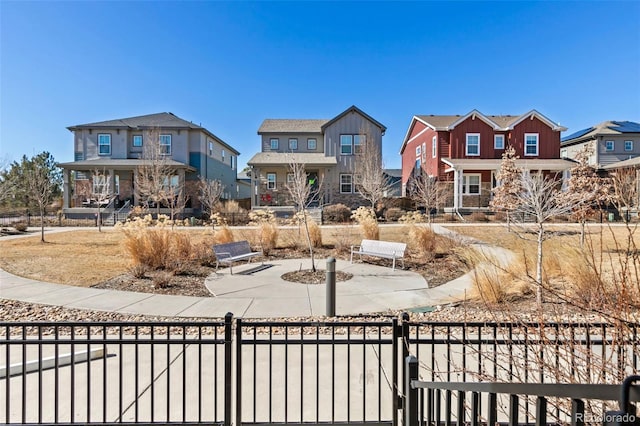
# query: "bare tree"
{"points": [[541, 200], [371, 181], [506, 193], [426, 191], [6, 185], [210, 193], [174, 196], [153, 178], [100, 190], [303, 195], [585, 184]]}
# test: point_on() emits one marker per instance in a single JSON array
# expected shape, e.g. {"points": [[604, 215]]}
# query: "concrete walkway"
{"points": [[255, 292]]}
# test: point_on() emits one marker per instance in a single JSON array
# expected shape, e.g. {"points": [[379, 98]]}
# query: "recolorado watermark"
{"points": [[606, 418]]}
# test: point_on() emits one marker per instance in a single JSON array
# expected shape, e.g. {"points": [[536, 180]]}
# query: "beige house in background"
{"points": [[114, 148], [328, 148], [609, 141]]}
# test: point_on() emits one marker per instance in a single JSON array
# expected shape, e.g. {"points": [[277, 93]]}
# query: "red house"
{"points": [[466, 151]]}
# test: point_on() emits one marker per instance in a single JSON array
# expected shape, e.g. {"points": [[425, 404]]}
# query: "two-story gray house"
{"points": [[328, 148], [610, 142], [116, 148]]}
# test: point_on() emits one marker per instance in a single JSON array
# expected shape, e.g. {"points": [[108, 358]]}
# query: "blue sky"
{"points": [[229, 65]]}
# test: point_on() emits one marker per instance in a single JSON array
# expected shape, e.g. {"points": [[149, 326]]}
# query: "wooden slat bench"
{"points": [[233, 252], [384, 249]]}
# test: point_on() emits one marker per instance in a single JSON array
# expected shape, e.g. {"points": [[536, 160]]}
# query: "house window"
{"points": [[434, 147], [271, 181], [137, 141], [351, 144], [273, 143], [628, 145], [418, 151], [346, 184], [418, 163], [311, 144], [165, 144], [563, 153], [233, 162], [223, 155], [471, 184], [289, 178], [498, 141], [293, 144], [424, 152], [210, 149], [104, 144], [530, 144], [473, 144], [609, 145]]}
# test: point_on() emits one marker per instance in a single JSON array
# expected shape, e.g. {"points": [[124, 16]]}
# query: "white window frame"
{"points": [[358, 143], [309, 144], [628, 146], [467, 145], [289, 178], [222, 154], [137, 137], [497, 138], [210, 149], [606, 146], [418, 151], [434, 147], [271, 180], [106, 143], [424, 152], [526, 144], [274, 144], [564, 153], [350, 183], [466, 184], [165, 144], [346, 144]]}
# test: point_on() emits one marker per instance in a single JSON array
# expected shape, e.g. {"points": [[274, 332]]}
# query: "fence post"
{"points": [[331, 287], [238, 371], [228, 348], [410, 394]]}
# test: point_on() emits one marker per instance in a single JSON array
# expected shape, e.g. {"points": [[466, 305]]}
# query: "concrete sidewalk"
{"points": [[261, 293]]}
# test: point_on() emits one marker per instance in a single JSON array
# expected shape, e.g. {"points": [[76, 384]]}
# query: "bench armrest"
{"points": [[354, 247], [226, 254]]}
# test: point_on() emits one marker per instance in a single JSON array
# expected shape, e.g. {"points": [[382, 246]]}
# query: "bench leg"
{"points": [[231, 267], [351, 260], [393, 268]]}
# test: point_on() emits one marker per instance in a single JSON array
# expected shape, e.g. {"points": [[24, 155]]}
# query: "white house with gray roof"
{"points": [[115, 148], [328, 148]]}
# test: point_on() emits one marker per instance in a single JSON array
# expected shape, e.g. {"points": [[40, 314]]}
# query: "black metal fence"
{"points": [[264, 372]]}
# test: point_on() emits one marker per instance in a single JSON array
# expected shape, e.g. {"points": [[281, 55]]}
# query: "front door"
{"points": [[312, 179]]}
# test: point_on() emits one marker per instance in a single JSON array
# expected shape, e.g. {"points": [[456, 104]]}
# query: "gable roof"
{"points": [[605, 128], [354, 108], [631, 162], [446, 123], [163, 120], [272, 125]]}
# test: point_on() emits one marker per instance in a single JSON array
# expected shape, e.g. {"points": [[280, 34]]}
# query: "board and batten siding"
{"points": [[283, 142]]}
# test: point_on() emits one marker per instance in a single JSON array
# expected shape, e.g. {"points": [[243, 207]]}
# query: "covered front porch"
{"points": [[474, 179], [107, 186], [271, 174]]}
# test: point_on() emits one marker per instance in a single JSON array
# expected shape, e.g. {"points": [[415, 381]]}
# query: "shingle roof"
{"points": [[161, 119], [117, 164], [604, 128], [631, 162], [272, 125], [440, 121], [284, 158]]}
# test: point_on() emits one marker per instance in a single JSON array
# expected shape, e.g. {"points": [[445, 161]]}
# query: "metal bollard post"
{"points": [[331, 287]]}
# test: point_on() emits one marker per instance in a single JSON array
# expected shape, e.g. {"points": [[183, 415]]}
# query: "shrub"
{"points": [[422, 239], [393, 214], [315, 233], [366, 218], [20, 227], [336, 213], [223, 235], [413, 217], [267, 229], [488, 284], [138, 270], [162, 280]]}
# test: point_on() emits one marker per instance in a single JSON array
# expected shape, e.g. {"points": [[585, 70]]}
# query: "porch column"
{"points": [[112, 183], [457, 183], [182, 183], [66, 189]]}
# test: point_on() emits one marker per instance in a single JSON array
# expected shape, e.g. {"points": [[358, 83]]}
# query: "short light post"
{"points": [[331, 287]]}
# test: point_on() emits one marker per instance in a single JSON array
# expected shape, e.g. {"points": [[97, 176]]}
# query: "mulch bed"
{"points": [[190, 282]]}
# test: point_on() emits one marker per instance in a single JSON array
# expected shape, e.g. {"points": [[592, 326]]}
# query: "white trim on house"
{"points": [[533, 113], [495, 141], [434, 147], [466, 145], [537, 145]]}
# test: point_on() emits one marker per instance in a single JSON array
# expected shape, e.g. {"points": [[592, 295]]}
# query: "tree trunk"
{"points": [[306, 228], [42, 225], [99, 218], [582, 226], [539, 265]]}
